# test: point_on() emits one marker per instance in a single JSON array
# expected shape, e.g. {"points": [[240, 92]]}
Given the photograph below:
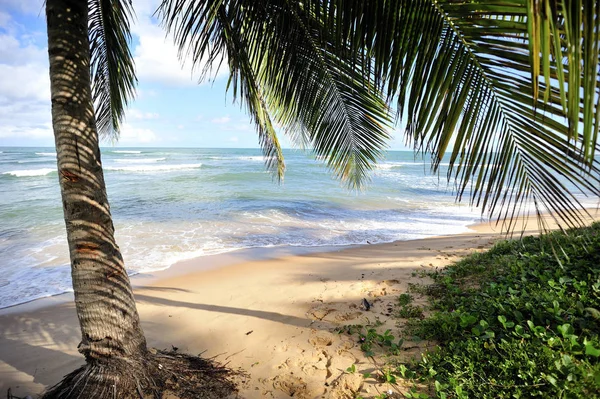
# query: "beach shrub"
{"points": [[518, 321]]}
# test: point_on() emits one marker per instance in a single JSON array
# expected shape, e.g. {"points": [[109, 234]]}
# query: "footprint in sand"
{"points": [[347, 316], [292, 386], [321, 339], [346, 386], [319, 312]]}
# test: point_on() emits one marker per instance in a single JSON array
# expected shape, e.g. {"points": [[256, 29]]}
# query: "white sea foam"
{"points": [[126, 152], [399, 164], [30, 172], [388, 165], [46, 154], [154, 168], [139, 160], [256, 158]]}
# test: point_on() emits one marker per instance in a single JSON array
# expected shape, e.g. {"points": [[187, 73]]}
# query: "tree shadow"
{"points": [[272, 316], [26, 359], [29, 340]]}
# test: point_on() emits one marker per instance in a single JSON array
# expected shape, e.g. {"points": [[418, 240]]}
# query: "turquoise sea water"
{"points": [[173, 204]]}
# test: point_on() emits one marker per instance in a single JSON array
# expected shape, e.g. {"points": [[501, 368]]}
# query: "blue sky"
{"points": [[171, 109]]}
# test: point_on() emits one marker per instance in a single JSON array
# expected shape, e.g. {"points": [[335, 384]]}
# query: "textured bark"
{"points": [[118, 365], [110, 325]]}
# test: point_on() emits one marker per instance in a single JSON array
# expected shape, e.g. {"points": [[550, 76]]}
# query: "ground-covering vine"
{"points": [[521, 320]]}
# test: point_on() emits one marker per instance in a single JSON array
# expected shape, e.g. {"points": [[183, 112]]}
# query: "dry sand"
{"points": [[274, 318]]}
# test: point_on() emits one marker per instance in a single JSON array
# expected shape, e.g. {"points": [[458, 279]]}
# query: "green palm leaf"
{"points": [[461, 73], [113, 74], [218, 39], [320, 98], [569, 31]]}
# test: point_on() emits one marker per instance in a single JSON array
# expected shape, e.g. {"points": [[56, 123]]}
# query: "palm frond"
{"points": [[313, 92], [569, 31], [217, 41], [461, 73], [112, 67]]}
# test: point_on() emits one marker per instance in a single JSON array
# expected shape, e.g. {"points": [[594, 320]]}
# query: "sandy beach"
{"points": [[275, 318]]}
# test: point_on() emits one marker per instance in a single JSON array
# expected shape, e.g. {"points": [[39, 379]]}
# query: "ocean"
{"points": [[172, 204]]}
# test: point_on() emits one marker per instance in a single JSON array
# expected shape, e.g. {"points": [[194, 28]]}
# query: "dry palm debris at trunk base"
{"points": [[160, 374]]}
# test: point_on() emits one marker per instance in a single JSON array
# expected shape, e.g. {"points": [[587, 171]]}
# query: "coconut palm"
{"points": [[92, 79], [110, 328], [460, 72]]}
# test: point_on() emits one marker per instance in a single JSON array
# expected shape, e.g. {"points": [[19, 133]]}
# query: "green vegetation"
{"points": [[515, 322], [406, 310], [519, 321], [369, 338]]}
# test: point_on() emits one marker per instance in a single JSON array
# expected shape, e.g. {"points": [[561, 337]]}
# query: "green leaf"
{"points": [[471, 85], [595, 313], [283, 62], [591, 350], [565, 330], [551, 379], [111, 65]]}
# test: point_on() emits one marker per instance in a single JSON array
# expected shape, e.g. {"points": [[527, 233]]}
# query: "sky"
{"points": [[171, 109]]}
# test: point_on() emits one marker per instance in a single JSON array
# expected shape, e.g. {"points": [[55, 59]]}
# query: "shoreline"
{"points": [[273, 316], [205, 263], [200, 264]]}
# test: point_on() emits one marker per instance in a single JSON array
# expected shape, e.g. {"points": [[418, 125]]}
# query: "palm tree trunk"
{"points": [[110, 326], [118, 364]]}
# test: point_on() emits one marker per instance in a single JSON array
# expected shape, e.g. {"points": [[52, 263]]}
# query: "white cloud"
{"points": [[25, 84], [230, 125], [243, 126], [25, 6], [145, 93], [156, 57], [135, 135], [221, 121], [233, 139], [24, 69], [13, 52], [27, 133], [139, 115]]}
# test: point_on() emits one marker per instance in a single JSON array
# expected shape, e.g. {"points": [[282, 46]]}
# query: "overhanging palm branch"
{"points": [[569, 31], [461, 73], [283, 62], [214, 41], [112, 69]]}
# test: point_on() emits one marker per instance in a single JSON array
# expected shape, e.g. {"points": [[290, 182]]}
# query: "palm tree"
{"points": [[110, 326], [90, 64], [92, 79], [321, 69]]}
